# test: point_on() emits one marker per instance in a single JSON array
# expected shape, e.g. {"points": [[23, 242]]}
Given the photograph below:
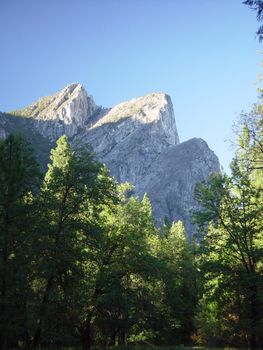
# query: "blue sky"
{"points": [[203, 53]]}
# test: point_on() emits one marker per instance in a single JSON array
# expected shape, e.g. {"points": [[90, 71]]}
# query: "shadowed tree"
{"points": [[19, 179]]}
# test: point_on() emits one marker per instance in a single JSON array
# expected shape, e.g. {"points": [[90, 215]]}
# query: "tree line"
{"points": [[82, 262]]}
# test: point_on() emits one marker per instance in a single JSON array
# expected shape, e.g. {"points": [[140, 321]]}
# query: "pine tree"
{"points": [[74, 188]]}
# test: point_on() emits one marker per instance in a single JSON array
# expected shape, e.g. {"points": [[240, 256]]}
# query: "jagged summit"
{"points": [[72, 109], [62, 113], [71, 87]]}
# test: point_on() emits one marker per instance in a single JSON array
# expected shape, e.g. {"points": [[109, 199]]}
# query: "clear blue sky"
{"points": [[203, 53]]}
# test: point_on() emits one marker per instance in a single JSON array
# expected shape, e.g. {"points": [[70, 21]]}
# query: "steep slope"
{"points": [[137, 140]]}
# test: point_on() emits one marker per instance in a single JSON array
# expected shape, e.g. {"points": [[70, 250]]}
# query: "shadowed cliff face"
{"points": [[137, 140], [172, 178]]}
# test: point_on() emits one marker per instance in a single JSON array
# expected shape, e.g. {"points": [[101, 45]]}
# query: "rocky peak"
{"points": [[62, 113], [73, 105], [155, 109], [72, 111]]}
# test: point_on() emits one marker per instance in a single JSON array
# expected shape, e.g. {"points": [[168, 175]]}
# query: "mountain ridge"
{"points": [[136, 139]]}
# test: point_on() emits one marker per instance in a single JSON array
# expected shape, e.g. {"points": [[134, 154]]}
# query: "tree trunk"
{"points": [[3, 305], [2, 341], [42, 313], [3, 309], [112, 341], [86, 335], [253, 325], [254, 317], [49, 286], [122, 337]]}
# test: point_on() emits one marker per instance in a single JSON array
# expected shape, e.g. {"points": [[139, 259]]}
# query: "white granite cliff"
{"points": [[63, 113], [131, 135]]}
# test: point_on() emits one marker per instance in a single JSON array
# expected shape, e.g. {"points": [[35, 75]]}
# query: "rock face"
{"points": [[130, 136], [172, 178], [63, 113], [137, 140]]}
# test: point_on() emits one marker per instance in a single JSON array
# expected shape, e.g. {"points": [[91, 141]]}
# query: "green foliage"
{"points": [[74, 187], [82, 261], [19, 178], [231, 253], [250, 140], [122, 262], [83, 264], [179, 288]]}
